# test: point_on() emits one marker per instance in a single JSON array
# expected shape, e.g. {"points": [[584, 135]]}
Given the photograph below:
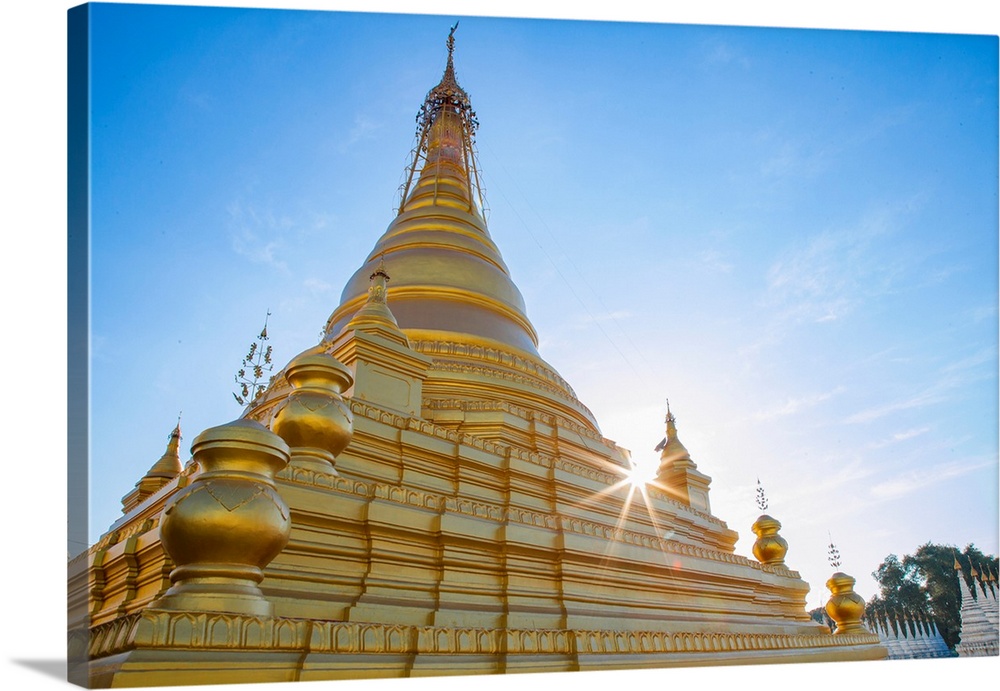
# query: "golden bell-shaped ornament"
{"points": [[314, 419], [228, 524], [845, 606], [770, 548]]}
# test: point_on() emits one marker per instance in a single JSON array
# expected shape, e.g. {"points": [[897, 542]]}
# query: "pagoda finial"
{"points": [[833, 554], [374, 314], [166, 468], [169, 464], [671, 424], [761, 497], [448, 94], [671, 447], [451, 40], [377, 282], [380, 271], [256, 363]]}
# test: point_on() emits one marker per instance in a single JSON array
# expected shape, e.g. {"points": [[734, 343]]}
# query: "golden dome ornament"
{"points": [[314, 419], [845, 606], [228, 524], [770, 547]]}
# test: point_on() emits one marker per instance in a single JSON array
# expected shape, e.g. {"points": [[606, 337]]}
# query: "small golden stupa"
{"points": [[421, 493]]}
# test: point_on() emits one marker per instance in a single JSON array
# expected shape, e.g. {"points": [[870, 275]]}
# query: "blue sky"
{"points": [[792, 234]]}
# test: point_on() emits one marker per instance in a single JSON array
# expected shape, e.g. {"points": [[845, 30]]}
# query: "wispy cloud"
{"points": [[899, 437], [817, 282], [317, 286], [838, 472], [256, 236], [364, 128], [827, 276], [611, 316], [794, 159], [794, 405], [986, 355], [714, 262], [922, 399], [952, 377], [723, 53], [198, 98], [981, 313], [907, 483]]}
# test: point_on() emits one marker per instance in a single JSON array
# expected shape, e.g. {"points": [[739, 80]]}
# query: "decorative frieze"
{"points": [[219, 631], [521, 412], [359, 407], [588, 472], [495, 355], [502, 374], [124, 533]]}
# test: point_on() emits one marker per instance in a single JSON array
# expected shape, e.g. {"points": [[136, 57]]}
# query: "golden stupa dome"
{"points": [[450, 291]]}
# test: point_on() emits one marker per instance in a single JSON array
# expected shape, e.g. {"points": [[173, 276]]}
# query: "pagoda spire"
{"points": [[166, 468], [375, 314], [445, 152], [451, 293], [677, 472], [671, 449], [169, 464]]}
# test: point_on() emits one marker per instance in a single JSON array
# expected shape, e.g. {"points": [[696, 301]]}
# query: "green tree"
{"points": [[925, 581]]}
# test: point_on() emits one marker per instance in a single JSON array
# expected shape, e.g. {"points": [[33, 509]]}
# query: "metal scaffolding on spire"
{"points": [[446, 100]]}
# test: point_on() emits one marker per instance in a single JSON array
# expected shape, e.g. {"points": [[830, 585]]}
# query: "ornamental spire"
{"points": [[251, 377], [447, 92], [833, 555], [761, 497], [445, 156], [379, 279], [671, 424], [449, 70], [671, 449], [160, 473], [169, 465], [375, 314]]}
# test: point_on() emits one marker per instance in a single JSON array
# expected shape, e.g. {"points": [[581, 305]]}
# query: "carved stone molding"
{"points": [[220, 631]]}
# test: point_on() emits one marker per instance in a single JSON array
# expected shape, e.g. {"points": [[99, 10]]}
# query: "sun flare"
{"points": [[641, 474]]}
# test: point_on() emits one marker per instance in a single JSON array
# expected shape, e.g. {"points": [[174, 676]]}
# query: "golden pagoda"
{"points": [[422, 494]]}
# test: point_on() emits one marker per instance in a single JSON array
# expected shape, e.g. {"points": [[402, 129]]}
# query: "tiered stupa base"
{"points": [[158, 647], [474, 557]]}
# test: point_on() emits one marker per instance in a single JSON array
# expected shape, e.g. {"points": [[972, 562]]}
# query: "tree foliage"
{"points": [[926, 582]]}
